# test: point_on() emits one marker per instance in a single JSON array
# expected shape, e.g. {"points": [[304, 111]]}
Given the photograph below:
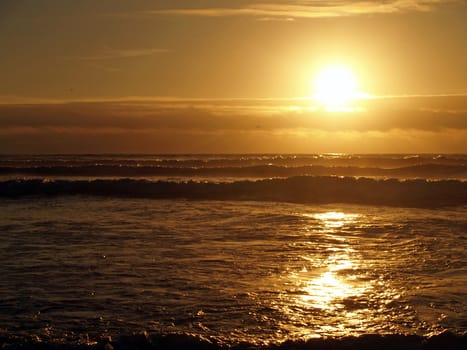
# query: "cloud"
{"points": [[428, 113], [124, 53], [288, 10], [435, 124], [100, 59]]}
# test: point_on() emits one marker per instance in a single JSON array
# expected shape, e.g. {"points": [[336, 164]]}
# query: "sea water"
{"points": [[80, 265]]}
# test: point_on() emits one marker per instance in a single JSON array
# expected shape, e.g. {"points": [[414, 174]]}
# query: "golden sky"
{"points": [[230, 76]]}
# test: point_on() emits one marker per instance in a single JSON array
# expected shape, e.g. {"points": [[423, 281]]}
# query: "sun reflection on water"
{"points": [[333, 219], [335, 282], [329, 282], [322, 291]]}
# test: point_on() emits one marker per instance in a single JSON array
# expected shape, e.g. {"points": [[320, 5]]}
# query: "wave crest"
{"points": [[299, 189], [267, 170]]}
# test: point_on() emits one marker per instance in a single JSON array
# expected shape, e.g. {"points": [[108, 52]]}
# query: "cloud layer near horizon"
{"points": [[250, 125], [289, 9]]}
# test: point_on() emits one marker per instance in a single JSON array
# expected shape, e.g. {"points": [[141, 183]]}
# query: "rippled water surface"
{"points": [[75, 267]]}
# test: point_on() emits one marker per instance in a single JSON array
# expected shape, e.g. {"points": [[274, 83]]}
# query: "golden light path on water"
{"points": [[322, 291], [329, 296]]}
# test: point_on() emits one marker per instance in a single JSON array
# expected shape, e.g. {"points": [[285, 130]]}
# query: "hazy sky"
{"points": [[230, 75]]}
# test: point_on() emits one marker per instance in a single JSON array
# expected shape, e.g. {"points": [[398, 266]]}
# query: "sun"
{"points": [[335, 88]]}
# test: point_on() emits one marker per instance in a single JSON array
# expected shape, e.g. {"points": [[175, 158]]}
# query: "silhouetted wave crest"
{"points": [[421, 170], [299, 189]]}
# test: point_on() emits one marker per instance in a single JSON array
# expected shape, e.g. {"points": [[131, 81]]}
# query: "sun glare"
{"points": [[336, 88]]}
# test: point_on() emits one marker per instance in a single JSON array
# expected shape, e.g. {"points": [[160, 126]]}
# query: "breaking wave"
{"points": [[299, 189], [421, 170], [246, 165]]}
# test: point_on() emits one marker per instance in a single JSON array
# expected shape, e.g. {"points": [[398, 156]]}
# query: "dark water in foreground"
{"points": [[83, 268]]}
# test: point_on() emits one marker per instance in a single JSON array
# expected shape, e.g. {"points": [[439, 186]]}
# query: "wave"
{"points": [[239, 160], [421, 171], [299, 189], [445, 341]]}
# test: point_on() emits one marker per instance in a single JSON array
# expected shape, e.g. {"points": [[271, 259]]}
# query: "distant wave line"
{"points": [[431, 171]]}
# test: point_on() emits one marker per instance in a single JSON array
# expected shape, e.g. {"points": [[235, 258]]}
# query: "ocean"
{"points": [[331, 251]]}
